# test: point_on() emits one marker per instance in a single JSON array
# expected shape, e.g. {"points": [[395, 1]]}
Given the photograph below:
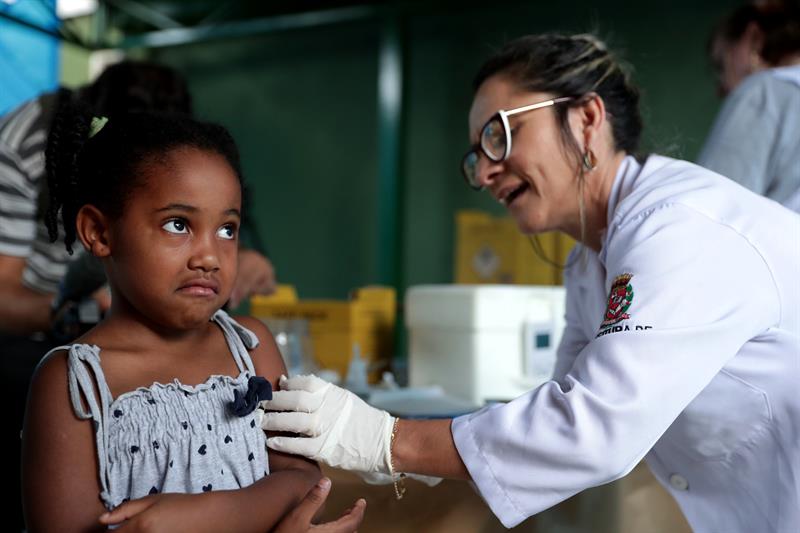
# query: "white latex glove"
{"points": [[342, 430]]}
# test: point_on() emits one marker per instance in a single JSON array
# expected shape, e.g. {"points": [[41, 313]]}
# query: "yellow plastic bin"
{"points": [[492, 250], [367, 319]]}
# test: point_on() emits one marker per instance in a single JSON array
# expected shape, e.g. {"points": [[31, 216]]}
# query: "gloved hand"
{"points": [[342, 430]]}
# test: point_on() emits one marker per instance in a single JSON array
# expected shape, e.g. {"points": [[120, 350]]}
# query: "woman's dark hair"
{"points": [[104, 169], [778, 20], [572, 65]]}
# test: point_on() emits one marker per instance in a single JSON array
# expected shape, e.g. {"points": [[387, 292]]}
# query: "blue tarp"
{"points": [[29, 60]]}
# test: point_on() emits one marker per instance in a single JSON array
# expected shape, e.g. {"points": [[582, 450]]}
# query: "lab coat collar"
{"points": [[620, 189]]}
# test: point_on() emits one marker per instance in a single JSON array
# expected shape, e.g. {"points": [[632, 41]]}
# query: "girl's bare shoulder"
{"points": [[266, 356]]}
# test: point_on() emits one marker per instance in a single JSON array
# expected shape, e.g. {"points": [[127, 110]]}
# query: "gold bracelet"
{"points": [[398, 482]]}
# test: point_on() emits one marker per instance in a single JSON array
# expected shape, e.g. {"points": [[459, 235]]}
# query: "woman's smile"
{"points": [[510, 194]]}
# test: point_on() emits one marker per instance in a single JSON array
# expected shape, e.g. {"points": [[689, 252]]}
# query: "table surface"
{"points": [[632, 504]]}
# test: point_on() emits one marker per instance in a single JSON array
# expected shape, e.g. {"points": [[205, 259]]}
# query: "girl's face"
{"points": [[537, 182], [174, 249]]}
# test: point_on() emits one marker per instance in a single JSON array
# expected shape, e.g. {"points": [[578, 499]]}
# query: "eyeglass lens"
{"points": [[469, 167], [493, 139], [493, 144]]}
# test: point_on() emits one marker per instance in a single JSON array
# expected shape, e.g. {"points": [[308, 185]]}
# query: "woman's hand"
{"points": [[299, 519], [342, 430]]}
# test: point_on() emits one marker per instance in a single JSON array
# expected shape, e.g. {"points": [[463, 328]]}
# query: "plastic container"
{"points": [[367, 319], [492, 250], [483, 343]]}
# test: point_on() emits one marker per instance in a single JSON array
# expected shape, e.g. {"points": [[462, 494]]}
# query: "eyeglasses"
{"points": [[495, 140]]}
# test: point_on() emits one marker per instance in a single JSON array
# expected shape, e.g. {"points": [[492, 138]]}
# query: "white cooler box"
{"points": [[483, 343]]}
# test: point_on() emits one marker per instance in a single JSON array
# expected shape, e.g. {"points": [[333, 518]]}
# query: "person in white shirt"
{"points": [[682, 343]]}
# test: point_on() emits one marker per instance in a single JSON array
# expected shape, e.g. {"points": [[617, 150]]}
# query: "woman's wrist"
{"points": [[426, 447], [399, 456]]}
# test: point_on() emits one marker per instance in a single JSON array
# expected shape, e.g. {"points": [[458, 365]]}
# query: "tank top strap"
{"points": [[239, 339], [85, 378]]}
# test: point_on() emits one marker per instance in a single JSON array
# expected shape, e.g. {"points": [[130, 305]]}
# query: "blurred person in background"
{"points": [[755, 139]]}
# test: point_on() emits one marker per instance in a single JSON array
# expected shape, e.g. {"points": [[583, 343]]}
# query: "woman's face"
{"points": [[537, 183]]}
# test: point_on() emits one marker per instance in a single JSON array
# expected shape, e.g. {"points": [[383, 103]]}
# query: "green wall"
{"points": [[302, 105]]}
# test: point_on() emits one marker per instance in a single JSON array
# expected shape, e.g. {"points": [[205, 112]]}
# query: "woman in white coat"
{"points": [[682, 343]]}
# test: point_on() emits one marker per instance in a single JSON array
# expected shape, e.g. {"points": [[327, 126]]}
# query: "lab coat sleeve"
{"points": [[741, 140], [700, 291], [573, 339]]}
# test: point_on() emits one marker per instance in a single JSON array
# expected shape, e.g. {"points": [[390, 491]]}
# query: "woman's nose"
{"points": [[487, 170]]}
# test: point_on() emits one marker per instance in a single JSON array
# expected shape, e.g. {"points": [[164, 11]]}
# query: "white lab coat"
{"points": [[701, 377]]}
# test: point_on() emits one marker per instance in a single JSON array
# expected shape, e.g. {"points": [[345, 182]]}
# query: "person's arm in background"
{"points": [[22, 310], [740, 142], [256, 272], [256, 276]]}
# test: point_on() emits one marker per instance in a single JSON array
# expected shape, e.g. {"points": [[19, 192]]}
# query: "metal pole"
{"points": [[390, 134]]}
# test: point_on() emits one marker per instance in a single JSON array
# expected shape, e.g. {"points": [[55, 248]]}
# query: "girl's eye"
{"points": [[175, 226], [227, 232]]}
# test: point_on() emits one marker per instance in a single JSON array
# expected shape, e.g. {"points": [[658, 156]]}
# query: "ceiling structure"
{"points": [[153, 23]]}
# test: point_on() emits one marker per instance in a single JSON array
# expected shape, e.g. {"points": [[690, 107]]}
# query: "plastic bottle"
{"points": [[356, 380]]}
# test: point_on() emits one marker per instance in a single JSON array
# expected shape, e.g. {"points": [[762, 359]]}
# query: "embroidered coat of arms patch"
{"points": [[619, 300]]}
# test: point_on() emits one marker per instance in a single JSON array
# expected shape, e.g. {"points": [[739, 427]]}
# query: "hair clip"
{"points": [[97, 125]]}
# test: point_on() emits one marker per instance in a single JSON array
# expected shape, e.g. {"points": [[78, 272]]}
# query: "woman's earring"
{"points": [[589, 161]]}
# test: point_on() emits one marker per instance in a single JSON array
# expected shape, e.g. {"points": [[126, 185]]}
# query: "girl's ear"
{"points": [[92, 228]]}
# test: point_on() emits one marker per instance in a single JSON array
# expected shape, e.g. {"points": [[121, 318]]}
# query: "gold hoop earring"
{"points": [[589, 161]]}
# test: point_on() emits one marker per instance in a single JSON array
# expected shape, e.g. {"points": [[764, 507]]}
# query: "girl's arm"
{"points": [[60, 483]]}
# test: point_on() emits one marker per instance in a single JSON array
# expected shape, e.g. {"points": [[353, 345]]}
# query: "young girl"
{"points": [[159, 398]]}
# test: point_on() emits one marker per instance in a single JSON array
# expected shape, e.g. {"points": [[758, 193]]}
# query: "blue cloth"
{"points": [[755, 139], [29, 59]]}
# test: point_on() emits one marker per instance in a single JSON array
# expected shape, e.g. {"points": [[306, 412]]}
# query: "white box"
{"points": [[483, 342]]}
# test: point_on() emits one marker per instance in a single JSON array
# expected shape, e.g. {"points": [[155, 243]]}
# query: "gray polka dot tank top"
{"points": [[170, 437]]}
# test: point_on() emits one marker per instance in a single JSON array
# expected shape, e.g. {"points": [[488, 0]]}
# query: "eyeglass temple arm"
{"points": [[537, 105]]}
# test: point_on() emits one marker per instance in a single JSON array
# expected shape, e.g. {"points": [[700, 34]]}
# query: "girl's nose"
{"points": [[205, 257]]}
